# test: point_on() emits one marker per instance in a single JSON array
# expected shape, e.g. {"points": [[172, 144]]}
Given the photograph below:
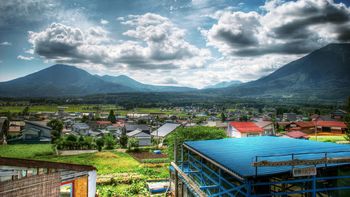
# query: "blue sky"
{"points": [[182, 42]]}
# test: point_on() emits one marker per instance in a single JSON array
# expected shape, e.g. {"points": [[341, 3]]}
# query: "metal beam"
{"points": [[191, 183]]}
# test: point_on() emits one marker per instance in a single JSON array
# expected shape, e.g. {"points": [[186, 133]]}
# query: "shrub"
{"points": [[133, 144], [109, 141], [99, 143], [183, 134]]}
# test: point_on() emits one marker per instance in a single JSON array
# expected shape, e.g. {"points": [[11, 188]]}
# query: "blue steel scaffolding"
{"points": [[214, 179]]}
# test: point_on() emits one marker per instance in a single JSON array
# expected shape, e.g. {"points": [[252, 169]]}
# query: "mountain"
{"points": [[322, 74], [63, 80], [224, 84], [59, 80], [140, 87]]}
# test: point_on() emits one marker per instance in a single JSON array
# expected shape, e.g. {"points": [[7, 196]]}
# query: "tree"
{"points": [[347, 131], [317, 111], [223, 117], [57, 127], [123, 140], [85, 118], [133, 143], [183, 134], [111, 116], [99, 144], [25, 111], [109, 141]]}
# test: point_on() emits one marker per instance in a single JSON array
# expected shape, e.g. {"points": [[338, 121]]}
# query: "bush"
{"points": [[183, 134], [72, 143], [99, 143], [133, 144], [109, 141]]}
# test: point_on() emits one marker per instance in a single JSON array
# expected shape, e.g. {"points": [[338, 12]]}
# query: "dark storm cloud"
{"points": [[241, 39], [295, 27]]}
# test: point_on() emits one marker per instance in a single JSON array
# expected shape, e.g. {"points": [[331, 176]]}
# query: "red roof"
{"points": [[103, 122], [246, 127], [331, 124], [297, 134]]}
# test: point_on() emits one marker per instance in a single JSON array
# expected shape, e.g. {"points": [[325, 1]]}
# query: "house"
{"points": [[165, 130], [243, 129], [296, 135], [143, 137], [33, 132], [339, 114], [23, 177], [331, 126], [309, 127], [303, 126], [132, 127], [4, 127], [101, 124], [267, 126], [261, 166], [289, 117], [81, 128]]}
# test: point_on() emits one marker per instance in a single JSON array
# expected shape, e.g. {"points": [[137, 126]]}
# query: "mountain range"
{"points": [[324, 73]]}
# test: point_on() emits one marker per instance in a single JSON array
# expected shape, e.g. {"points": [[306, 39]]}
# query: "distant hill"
{"points": [[322, 74], [58, 80], [141, 87], [224, 84], [63, 80]]}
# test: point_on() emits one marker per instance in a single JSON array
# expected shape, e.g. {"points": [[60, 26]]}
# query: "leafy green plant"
{"points": [[109, 141], [183, 134], [133, 144], [99, 143]]}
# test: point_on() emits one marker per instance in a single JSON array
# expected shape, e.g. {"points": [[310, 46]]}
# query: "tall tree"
{"points": [[223, 117], [57, 127], [123, 140], [111, 117], [25, 111]]}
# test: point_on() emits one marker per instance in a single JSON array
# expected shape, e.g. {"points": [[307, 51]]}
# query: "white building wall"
{"points": [[92, 184]]}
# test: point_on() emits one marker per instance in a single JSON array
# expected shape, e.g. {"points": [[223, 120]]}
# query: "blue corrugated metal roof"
{"points": [[237, 154]]}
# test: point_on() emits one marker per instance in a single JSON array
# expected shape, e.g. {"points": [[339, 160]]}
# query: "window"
{"points": [[66, 189]]}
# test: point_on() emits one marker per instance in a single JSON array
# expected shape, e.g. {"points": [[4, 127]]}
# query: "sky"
{"points": [[171, 42]]}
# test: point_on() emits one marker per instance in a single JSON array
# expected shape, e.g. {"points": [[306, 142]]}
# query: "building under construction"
{"points": [[262, 166]]}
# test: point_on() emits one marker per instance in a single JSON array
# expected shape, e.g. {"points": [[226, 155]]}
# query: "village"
{"points": [[144, 141]]}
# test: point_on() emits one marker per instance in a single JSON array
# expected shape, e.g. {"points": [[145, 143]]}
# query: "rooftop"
{"points": [[245, 127], [238, 154], [165, 129]]}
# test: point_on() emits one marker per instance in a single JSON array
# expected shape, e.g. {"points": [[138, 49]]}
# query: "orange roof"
{"points": [[246, 127], [331, 124]]}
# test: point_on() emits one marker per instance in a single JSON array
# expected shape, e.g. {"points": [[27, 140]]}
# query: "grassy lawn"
{"points": [[119, 165], [25, 150], [328, 138]]}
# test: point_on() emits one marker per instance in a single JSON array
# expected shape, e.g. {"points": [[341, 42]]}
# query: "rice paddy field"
{"points": [[89, 108]]}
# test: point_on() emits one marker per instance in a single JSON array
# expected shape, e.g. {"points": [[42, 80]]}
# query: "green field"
{"points": [[129, 175], [89, 108], [328, 138]]}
